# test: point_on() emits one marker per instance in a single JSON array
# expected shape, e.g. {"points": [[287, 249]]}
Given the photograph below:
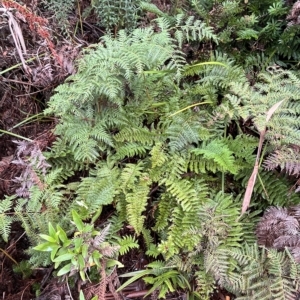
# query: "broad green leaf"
{"points": [[135, 276], [62, 235], [81, 262], [81, 295], [64, 270], [64, 257], [84, 250], [113, 262], [88, 228], [95, 259], [169, 284], [78, 242], [51, 230], [48, 238], [77, 220], [54, 251], [82, 275], [47, 247]]}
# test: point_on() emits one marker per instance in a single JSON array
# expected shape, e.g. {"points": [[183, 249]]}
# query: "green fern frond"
{"points": [[282, 286], [5, 219], [247, 34], [219, 152], [191, 29], [273, 188], [153, 251], [165, 205], [158, 156], [243, 146], [217, 262], [104, 71], [136, 203], [184, 130], [130, 150], [93, 192], [150, 7], [187, 28], [135, 134], [148, 239], [271, 88], [130, 175], [178, 238], [117, 14], [263, 274], [183, 191], [127, 243]]}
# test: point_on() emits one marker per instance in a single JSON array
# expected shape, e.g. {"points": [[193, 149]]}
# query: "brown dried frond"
{"points": [[288, 159], [99, 239], [279, 229], [296, 253], [295, 211], [106, 288], [290, 241], [109, 251], [54, 291], [114, 284], [294, 15], [99, 288]]}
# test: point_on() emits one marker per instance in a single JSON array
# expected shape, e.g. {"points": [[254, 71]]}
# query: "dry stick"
{"points": [[252, 179], [16, 33]]}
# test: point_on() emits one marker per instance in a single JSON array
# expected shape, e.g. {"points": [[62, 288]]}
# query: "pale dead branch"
{"points": [[252, 179], [17, 35]]}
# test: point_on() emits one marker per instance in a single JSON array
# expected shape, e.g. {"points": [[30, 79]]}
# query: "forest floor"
{"points": [[24, 92]]}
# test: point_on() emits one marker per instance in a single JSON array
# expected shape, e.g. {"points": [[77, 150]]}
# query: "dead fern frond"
{"points": [[99, 239], [279, 229], [294, 15], [287, 158]]}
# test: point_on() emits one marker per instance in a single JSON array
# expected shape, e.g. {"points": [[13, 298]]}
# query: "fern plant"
{"points": [[118, 14], [161, 142], [5, 219], [61, 10]]}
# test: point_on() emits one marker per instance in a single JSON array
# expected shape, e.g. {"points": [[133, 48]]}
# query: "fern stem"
{"points": [[263, 186], [15, 135], [223, 173], [80, 17], [187, 107]]}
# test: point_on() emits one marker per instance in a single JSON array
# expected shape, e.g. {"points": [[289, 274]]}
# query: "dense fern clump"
{"points": [[117, 14], [163, 143]]}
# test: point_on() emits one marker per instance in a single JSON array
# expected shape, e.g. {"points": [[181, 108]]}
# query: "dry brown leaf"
{"points": [[272, 110], [6, 160], [252, 179], [249, 190]]}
